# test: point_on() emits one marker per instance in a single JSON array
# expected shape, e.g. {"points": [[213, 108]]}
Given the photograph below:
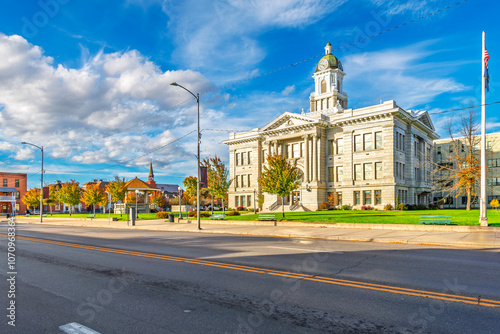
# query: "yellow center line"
{"points": [[327, 280]]}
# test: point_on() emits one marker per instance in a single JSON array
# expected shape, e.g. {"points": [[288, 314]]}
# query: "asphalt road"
{"points": [[123, 281]]}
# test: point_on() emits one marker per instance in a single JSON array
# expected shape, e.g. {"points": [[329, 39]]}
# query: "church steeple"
{"points": [[151, 176]]}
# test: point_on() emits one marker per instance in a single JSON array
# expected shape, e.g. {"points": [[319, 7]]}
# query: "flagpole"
{"points": [[483, 219]]}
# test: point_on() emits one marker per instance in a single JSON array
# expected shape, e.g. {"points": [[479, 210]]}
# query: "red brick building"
{"points": [[12, 185]]}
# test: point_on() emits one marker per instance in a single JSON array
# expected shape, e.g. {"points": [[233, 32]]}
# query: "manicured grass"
{"points": [[460, 217]]}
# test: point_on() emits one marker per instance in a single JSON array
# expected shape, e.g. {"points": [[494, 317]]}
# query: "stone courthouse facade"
{"points": [[369, 156]]}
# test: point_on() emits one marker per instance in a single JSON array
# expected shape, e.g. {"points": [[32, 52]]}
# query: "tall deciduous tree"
{"points": [[53, 197], [457, 169], [93, 195], [218, 178], [117, 189], [32, 198], [280, 178], [190, 185], [70, 194]]}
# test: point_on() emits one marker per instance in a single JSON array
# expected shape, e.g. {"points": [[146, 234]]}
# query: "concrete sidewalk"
{"points": [[448, 236]]}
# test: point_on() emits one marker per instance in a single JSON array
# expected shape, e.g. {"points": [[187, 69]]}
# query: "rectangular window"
{"points": [[296, 152], [357, 172], [5, 182], [368, 171], [58, 207], [339, 198], [378, 170], [340, 145], [237, 159], [357, 199], [249, 180], [439, 150], [17, 206], [378, 196], [301, 150], [358, 144], [368, 197], [340, 173], [243, 158], [237, 201], [249, 201], [488, 145], [368, 141], [378, 140], [330, 147], [264, 155], [237, 178], [18, 195], [250, 157], [17, 184], [243, 181], [402, 143], [330, 174]]}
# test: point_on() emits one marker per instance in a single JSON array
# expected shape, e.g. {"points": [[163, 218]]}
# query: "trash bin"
{"points": [[8, 216], [132, 216], [170, 218]]}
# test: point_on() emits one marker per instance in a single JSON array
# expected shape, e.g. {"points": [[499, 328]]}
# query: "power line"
{"points": [[479, 105], [339, 48]]}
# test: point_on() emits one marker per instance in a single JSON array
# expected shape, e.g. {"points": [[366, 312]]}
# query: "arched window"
{"points": [[323, 86]]}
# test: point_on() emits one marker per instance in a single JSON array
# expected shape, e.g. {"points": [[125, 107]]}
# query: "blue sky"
{"points": [[89, 80]]}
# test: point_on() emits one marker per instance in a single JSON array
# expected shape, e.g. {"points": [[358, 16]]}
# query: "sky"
{"points": [[90, 80]]}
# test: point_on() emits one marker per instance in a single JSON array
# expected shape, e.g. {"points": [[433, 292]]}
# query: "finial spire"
{"points": [[151, 175], [328, 49]]}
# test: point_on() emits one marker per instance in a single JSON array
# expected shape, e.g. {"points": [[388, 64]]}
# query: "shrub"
{"points": [[345, 207], [366, 207], [202, 214], [432, 207], [401, 206], [421, 207], [411, 207], [324, 206], [388, 207], [232, 213], [240, 208], [162, 215]]}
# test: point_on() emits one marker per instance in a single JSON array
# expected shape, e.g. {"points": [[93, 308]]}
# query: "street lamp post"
{"points": [[41, 179], [180, 202], [197, 97], [136, 213], [254, 209]]}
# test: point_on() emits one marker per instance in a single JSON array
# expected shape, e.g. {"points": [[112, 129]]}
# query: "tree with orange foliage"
{"points": [[467, 177], [32, 198], [94, 195]]}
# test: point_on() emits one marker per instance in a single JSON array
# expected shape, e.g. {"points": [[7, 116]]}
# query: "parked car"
{"points": [[216, 208]]}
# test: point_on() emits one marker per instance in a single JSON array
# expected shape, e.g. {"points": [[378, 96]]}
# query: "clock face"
{"points": [[323, 64]]}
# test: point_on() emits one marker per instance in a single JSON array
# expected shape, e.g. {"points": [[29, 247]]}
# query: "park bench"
{"points": [[91, 215], [266, 217], [436, 219], [45, 215], [27, 215], [218, 216]]}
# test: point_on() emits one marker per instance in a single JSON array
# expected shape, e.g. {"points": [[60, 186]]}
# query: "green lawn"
{"points": [[460, 217]]}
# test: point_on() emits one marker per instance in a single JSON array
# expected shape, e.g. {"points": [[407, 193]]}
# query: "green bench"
{"points": [[436, 219], [91, 216], [45, 215], [266, 217], [218, 216], [27, 215]]}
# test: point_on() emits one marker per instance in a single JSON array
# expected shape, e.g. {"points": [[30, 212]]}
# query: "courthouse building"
{"points": [[373, 156]]}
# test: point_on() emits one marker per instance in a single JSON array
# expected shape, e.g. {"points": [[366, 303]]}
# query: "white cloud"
{"points": [[73, 112], [399, 74], [223, 42], [288, 90]]}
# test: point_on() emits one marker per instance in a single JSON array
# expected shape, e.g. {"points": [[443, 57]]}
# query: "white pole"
{"points": [[483, 219]]}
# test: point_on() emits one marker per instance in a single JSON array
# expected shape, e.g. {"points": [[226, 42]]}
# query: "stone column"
{"points": [[306, 158], [315, 158]]}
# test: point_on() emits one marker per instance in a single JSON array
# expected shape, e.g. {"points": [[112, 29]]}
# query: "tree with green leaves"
{"points": [[70, 194], [280, 177], [32, 198], [117, 189], [218, 178], [53, 197], [93, 195]]}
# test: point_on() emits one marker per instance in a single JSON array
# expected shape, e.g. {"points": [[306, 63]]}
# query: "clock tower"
{"points": [[328, 95]]}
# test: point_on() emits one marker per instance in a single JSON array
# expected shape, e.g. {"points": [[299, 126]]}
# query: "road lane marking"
{"points": [[306, 250], [76, 328], [313, 278]]}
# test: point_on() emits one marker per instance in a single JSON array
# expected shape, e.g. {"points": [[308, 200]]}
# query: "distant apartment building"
{"points": [[12, 190], [444, 152]]}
